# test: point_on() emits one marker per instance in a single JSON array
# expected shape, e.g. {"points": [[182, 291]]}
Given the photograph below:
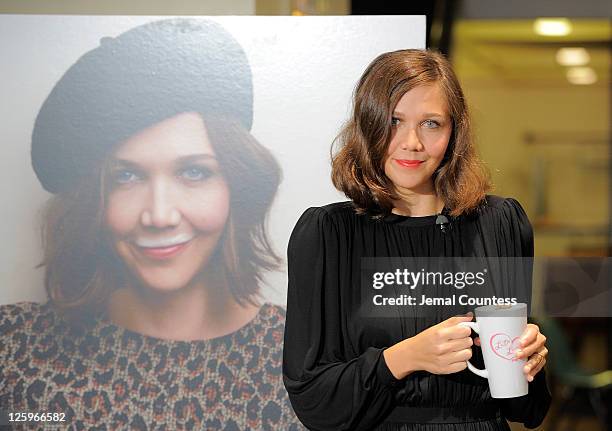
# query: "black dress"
{"points": [[333, 367]]}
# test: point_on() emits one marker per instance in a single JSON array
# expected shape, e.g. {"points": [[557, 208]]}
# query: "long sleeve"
{"points": [[330, 386], [531, 408]]}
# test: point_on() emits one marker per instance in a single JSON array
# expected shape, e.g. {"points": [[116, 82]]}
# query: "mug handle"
{"points": [[482, 373]]}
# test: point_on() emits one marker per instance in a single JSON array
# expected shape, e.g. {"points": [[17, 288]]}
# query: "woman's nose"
{"points": [[409, 140], [161, 210]]}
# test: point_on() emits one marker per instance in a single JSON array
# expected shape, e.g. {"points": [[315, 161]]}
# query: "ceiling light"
{"points": [[581, 75], [573, 57], [552, 26]]}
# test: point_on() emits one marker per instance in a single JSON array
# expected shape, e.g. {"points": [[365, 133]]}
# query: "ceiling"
{"points": [[510, 51]]}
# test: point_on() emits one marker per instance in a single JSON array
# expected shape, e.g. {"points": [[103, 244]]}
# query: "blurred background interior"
{"points": [[537, 77]]}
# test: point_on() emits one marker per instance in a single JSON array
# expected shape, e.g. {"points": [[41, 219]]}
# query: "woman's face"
{"points": [[168, 202], [421, 130]]}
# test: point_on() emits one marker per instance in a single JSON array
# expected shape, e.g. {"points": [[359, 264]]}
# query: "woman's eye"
{"points": [[124, 177], [394, 121], [195, 173], [431, 124]]}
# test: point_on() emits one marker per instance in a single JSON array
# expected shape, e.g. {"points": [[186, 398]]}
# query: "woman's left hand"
{"points": [[532, 347]]}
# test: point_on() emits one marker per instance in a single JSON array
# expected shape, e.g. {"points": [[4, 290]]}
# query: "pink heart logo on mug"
{"points": [[504, 346]]}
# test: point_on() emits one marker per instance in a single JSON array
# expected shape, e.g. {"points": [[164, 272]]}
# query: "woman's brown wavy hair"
{"points": [[358, 166]]}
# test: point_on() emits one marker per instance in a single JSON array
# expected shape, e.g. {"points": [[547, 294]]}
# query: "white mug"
{"points": [[499, 329]]}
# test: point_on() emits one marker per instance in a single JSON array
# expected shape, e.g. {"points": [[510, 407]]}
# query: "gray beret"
{"points": [[131, 82]]}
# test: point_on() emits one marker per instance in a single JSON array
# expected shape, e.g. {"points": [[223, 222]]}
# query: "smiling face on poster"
{"points": [[166, 161]]}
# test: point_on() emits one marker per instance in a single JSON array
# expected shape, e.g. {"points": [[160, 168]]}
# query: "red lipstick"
{"points": [[409, 163]]}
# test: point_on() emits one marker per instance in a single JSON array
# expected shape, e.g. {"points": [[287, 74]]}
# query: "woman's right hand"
{"points": [[440, 349]]}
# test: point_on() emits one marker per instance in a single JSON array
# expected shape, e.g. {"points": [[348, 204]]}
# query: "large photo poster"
{"points": [[302, 72], [153, 170]]}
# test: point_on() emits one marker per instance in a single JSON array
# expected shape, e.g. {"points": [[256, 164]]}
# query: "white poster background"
{"points": [[304, 71]]}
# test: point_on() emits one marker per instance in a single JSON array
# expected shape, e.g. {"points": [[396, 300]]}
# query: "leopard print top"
{"points": [[105, 377]]}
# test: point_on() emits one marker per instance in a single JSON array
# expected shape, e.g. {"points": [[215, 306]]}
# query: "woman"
{"points": [[408, 165], [155, 244]]}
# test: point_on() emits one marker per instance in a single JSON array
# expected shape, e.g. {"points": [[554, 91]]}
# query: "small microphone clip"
{"points": [[443, 222]]}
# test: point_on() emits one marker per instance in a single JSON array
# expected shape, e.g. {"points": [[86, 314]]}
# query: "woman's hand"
{"points": [[440, 349], [532, 347]]}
